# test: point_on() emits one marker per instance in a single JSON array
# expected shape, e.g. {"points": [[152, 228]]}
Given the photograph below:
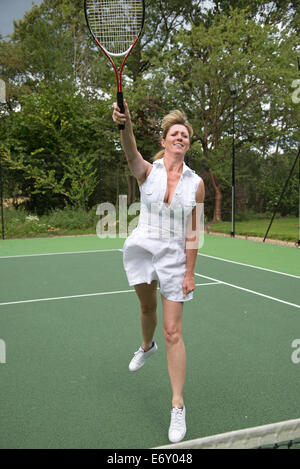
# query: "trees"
{"points": [[54, 126], [57, 124], [41, 142], [198, 69]]}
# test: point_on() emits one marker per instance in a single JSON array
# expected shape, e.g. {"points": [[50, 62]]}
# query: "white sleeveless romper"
{"points": [[155, 250]]}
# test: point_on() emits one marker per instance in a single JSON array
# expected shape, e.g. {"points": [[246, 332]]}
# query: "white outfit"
{"points": [[156, 248]]}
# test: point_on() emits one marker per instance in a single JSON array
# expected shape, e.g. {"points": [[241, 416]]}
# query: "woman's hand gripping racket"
{"points": [[115, 26]]}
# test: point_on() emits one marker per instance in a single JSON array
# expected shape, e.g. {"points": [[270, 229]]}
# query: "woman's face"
{"points": [[177, 140]]}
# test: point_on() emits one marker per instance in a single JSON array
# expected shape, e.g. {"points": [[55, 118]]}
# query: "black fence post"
{"points": [[1, 201], [282, 194]]}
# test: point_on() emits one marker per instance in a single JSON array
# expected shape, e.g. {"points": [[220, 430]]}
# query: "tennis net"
{"points": [[281, 435]]}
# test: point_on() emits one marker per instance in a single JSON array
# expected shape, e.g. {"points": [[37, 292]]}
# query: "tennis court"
{"points": [[70, 324]]}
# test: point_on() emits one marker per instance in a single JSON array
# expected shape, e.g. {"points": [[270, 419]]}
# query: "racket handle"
{"points": [[121, 106]]}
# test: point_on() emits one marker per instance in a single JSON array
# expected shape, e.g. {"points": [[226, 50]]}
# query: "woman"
{"points": [[157, 250]]}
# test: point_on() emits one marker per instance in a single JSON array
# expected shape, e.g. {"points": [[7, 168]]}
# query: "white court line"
{"points": [[249, 265], [121, 250], [65, 297], [86, 295], [209, 283], [215, 281], [60, 253], [250, 291]]}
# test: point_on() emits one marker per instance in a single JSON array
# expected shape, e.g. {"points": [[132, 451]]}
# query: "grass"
{"points": [[20, 224], [285, 228]]}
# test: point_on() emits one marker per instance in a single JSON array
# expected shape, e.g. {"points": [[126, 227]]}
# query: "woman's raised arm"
{"points": [[139, 167]]}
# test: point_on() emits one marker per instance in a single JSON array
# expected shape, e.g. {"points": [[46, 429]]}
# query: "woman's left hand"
{"points": [[188, 284]]}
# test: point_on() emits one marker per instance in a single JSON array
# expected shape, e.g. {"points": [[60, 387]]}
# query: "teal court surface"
{"points": [[69, 325]]}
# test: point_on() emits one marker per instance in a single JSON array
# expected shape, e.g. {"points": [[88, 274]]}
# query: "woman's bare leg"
{"points": [[147, 295], [176, 356]]}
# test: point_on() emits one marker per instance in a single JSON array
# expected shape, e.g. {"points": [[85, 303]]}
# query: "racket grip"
{"points": [[120, 103]]}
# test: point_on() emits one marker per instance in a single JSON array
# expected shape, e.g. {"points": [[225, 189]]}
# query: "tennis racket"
{"points": [[115, 26]]}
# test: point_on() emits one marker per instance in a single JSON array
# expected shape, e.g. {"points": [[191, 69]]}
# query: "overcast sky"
{"points": [[11, 10]]}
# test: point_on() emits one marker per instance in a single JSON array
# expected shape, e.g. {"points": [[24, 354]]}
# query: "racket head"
{"points": [[115, 24]]}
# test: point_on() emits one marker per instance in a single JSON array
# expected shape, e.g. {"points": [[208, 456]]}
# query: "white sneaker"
{"points": [[177, 428], [140, 357]]}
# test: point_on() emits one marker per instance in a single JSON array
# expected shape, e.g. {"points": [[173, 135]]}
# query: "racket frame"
{"points": [[109, 54]]}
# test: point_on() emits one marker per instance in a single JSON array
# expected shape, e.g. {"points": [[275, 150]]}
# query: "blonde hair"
{"points": [[173, 118]]}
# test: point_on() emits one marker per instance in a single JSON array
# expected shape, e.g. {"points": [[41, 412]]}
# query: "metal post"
{"points": [[1, 200], [299, 176], [299, 197], [233, 176], [2, 101], [233, 89], [99, 179]]}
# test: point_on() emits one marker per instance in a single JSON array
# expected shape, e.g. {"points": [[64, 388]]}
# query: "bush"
{"points": [[246, 215], [19, 223], [70, 219]]}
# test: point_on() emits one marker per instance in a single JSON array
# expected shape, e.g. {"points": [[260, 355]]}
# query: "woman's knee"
{"points": [[172, 334], [148, 307]]}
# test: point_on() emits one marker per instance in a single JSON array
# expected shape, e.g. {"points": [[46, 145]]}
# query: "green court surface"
{"points": [[69, 324]]}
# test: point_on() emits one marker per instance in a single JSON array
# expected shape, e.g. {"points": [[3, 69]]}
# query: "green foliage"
{"points": [[53, 143], [60, 146], [275, 173], [20, 223]]}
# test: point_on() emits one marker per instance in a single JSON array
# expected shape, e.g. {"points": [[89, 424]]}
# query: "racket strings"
{"points": [[115, 23]]}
